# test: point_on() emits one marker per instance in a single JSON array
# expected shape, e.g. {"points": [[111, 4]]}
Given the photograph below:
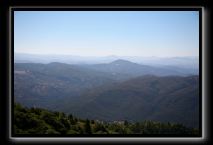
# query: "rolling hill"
{"points": [[125, 69], [120, 90], [166, 99], [46, 85]]}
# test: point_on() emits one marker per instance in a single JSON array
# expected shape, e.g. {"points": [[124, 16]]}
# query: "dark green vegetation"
{"points": [[40, 121], [165, 99], [109, 92]]}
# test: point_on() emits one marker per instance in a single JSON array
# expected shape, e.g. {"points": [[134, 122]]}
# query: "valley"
{"points": [[119, 90]]}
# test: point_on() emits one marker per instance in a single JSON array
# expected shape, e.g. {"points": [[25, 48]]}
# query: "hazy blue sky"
{"points": [[99, 33]]}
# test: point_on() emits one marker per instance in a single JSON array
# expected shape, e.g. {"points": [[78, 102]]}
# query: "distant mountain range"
{"points": [[124, 68], [191, 62], [118, 90]]}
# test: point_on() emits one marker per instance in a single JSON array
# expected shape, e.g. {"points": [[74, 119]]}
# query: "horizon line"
{"points": [[112, 55]]}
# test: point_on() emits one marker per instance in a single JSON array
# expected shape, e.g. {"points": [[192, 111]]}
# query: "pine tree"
{"points": [[87, 127], [126, 123]]}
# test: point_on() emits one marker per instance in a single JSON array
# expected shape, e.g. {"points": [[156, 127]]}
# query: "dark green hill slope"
{"points": [[173, 99], [41, 122], [92, 94]]}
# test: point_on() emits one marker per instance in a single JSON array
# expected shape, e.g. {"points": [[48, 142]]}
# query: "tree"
{"points": [[41, 121], [126, 123], [136, 128], [92, 121], [87, 127], [70, 117], [99, 127]]}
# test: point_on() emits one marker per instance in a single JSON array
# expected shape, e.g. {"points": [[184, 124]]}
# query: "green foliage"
{"points": [[87, 127], [41, 121], [76, 88], [100, 128]]}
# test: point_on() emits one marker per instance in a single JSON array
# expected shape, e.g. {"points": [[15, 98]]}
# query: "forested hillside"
{"points": [[165, 99], [38, 121], [93, 94]]}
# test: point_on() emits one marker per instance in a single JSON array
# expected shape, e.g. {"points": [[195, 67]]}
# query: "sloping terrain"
{"points": [[40, 122], [100, 94], [125, 69], [174, 99], [47, 85]]}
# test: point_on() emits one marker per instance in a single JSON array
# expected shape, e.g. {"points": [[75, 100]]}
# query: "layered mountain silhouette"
{"points": [[166, 99], [120, 90]]}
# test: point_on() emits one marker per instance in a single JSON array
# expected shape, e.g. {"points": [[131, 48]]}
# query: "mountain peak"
{"points": [[121, 61]]}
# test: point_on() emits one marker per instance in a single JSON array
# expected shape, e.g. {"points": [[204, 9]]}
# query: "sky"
{"points": [[106, 33]]}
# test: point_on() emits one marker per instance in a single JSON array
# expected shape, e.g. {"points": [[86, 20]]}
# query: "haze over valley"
{"points": [[136, 71], [118, 90]]}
